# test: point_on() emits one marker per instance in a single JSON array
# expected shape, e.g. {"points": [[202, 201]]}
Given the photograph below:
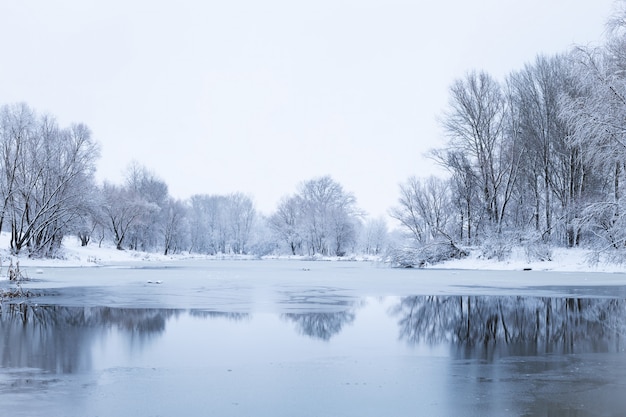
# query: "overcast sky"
{"points": [[257, 96]]}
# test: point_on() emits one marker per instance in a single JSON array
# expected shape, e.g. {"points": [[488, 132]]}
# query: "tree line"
{"points": [[537, 159], [48, 191]]}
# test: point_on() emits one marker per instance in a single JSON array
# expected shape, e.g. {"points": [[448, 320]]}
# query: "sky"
{"points": [[216, 97]]}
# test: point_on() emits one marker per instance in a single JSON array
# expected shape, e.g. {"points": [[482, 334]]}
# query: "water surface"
{"points": [[282, 339]]}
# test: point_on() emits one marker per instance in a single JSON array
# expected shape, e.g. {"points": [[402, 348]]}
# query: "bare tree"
{"points": [[476, 125], [328, 215], [374, 236], [123, 208], [597, 116], [174, 226], [146, 185], [424, 208], [285, 223], [551, 162], [17, 127], [221, 223], [241, 215], [47, 174]]}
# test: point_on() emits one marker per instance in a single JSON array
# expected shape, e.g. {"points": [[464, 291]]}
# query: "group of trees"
{"points": [[539, 157], [141, 215], [321, 218], [48, 191]]}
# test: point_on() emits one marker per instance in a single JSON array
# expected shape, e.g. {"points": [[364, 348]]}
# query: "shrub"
{"points": [[424, 255]]}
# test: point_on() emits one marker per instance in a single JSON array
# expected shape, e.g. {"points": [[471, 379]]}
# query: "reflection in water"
{"points": [[321, 325], [484, 325], [59, 339], [83, 361], [208, 314], [324, 311]]}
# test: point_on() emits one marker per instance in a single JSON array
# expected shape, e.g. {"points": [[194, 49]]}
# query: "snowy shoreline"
{"points": [[74, 255]]}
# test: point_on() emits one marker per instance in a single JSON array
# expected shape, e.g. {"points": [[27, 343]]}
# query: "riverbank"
{"points": [[75, 255]]}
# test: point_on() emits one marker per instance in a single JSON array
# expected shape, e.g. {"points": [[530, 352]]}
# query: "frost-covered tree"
{"points": [[241, 217], [425, 211], [321, 218], [47, 173], [374, 236], [475, 125], [174, 226], [262, 238], [17, 127], [597, 115], [221, 223], [552, 170], [123, 209], [328, 216], [285, 222], [90, 223], [209, 230], [464, 194], [424, 208], [146, 232], [198, 242]]}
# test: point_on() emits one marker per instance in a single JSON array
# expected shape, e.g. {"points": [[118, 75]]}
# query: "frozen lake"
{"points": [[295, 338]]}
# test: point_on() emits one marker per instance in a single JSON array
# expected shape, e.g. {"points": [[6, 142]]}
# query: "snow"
{"points": [[73, 254], [563, 260]]}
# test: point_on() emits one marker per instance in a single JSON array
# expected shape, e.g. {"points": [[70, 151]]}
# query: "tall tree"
{"points": [[174, 226], [285, 223], [476, 124], [47, 173], [550, 161], [146, 185], [123, 209], [374, 236], [597, 115], [328, 214], [241, 216]]}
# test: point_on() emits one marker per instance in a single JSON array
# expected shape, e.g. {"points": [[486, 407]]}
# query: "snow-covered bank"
{"points": [[75, 255], [72, 254], [562, 260]]}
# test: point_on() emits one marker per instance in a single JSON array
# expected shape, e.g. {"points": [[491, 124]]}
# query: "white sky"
{"points": [[256, 96]]}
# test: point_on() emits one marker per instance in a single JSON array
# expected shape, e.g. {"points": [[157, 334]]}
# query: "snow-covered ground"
{"points": [[563, 260], [74, 255]]}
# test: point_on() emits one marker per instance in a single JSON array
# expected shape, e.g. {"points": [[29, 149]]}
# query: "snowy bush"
{"points": [[424, 255], [538, 251], [496, 247]]}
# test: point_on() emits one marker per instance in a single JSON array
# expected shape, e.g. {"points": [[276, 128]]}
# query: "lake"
{"points": [[295, 338]]}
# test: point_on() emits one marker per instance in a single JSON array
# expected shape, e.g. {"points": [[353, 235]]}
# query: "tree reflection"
{"points": [[320, 325], [207, 314], [531, 323], [58, 339]]}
